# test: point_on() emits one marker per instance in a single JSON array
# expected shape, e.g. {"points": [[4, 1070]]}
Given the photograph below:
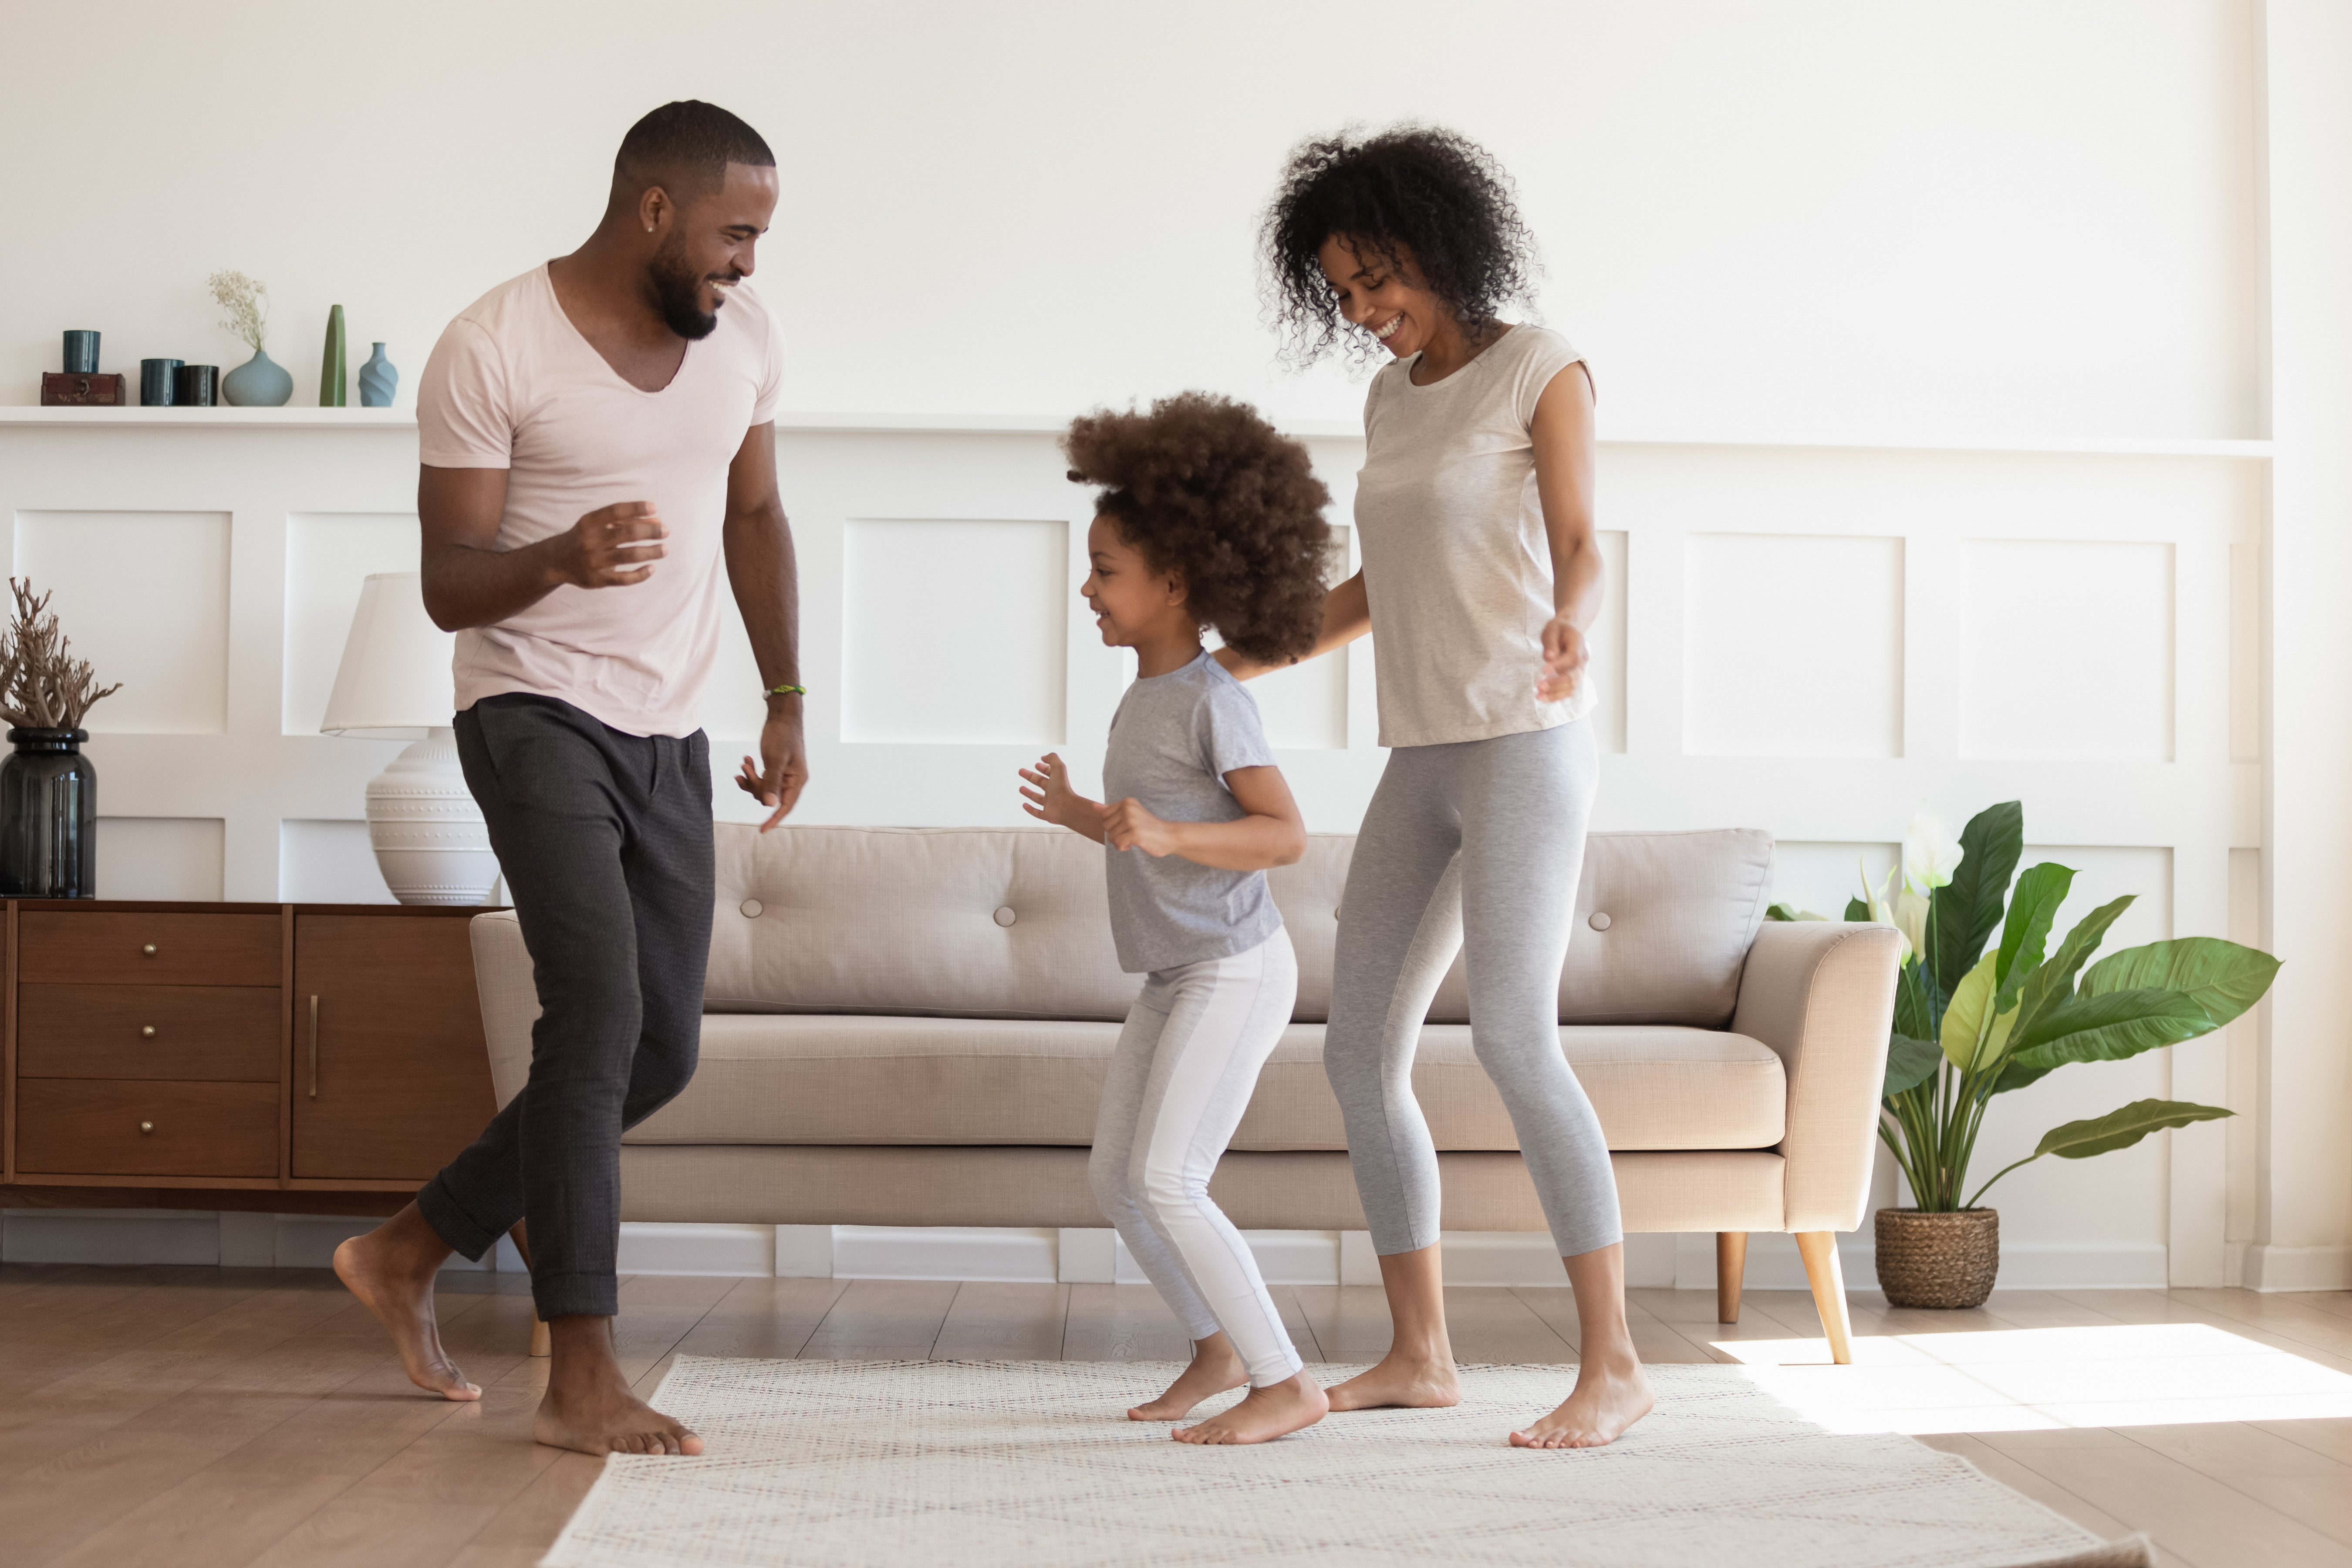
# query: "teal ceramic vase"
{"points": [[334, 367], [259, 383], [379, 379]]}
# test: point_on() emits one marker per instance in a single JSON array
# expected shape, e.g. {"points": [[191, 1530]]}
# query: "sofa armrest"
{"points": [[510, 996], [1821, 996]]}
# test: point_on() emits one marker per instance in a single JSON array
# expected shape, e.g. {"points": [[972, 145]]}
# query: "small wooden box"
{"points": [[70, 389]]}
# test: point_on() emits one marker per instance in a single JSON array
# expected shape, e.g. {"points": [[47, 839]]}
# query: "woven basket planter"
{"points": [[1937, 1259]]}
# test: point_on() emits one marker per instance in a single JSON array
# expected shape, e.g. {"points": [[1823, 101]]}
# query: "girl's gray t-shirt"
{"points": [[1172, 742]]}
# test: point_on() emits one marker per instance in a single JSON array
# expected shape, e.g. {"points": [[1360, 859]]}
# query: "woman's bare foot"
{"points": [[390, 1270], [588, 1406], [1274, 1411], [1214, 1369], [1609, 1396], [1417, 1383]]}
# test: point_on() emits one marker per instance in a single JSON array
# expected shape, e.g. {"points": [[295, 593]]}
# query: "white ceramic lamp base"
{"points": [[429, 837]]}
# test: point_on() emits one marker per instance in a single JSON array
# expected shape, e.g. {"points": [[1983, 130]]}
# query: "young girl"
{"points": [[1208, 518]]}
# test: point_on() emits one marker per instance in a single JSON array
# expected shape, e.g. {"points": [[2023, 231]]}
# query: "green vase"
{"points": [[334, 371]]}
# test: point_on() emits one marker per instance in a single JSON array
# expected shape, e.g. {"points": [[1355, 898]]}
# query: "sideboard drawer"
{"points": [[150, 950], [87, 1128], [225, 1032]]}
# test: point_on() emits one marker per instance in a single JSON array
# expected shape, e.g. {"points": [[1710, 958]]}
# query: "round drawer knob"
{"points": [[147, 1032], [149, 950], [1005, 915], [146, 1126], [753, 909], [1599, 921]]}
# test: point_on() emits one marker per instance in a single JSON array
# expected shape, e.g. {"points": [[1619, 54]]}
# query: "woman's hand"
{"points": [[1565, 655], [1049, 797], [1128, 824]]}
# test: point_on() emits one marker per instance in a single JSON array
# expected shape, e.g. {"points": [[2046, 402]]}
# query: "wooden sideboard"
{"points": [[288, 1058]]}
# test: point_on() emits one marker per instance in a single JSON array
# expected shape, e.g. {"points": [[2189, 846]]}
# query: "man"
{"points": [[595, 434]]}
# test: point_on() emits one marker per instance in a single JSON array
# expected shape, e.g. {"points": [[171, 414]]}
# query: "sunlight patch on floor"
{"points": [[2017, 1380]]}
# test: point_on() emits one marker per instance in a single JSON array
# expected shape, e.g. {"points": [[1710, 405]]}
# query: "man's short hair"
{"points": [[685, 147]]}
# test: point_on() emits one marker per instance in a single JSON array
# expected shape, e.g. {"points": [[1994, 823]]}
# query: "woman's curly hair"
{"points": [[1431, 191], [1204, 489]]}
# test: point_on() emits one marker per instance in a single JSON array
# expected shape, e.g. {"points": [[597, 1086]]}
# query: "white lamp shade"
{"points": [[396, 671]]}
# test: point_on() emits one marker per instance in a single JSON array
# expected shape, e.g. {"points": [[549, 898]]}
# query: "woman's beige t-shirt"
{"points": [[512, 384], [1457, 566]]}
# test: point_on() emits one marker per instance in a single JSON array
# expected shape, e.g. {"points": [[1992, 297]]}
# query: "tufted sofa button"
{"points": [[1599, 921], [1005, 915], [753, 909]]}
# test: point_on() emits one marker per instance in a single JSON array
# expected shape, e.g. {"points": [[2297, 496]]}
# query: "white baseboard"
{"points": [[2269, 1267], [890, 1252], [728, 1251]]}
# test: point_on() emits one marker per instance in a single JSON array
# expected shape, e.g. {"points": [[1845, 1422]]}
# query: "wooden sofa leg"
{"points": [[1730, 1264], [543, 1343], [1827, 1277]]}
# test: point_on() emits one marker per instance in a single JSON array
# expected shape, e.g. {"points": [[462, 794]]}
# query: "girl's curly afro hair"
{"points": [[1438, 195], [1204, 489]]}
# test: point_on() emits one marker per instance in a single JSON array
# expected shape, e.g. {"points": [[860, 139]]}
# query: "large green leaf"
{"points": [[2054, 982], [2122, 1129], [2109, 1027], [1857, 912], [2221, 977], [2015, 1075], [1964, 1019], [1910, 1063], [2033, 905], [1967, 909], [1914, 1011]]}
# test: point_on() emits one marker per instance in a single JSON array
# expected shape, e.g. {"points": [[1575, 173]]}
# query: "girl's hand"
{"points": [[1565, 655], [1049, 797], [1127, 825]]}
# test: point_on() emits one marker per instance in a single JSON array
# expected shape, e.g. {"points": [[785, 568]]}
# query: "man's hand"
{"points": [[1565, 655], [1047, 796], [611, 547], [1128, 824], [777, 781]]}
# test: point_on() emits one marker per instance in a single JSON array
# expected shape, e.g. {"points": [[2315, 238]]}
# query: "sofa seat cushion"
{"points": [[801, 1078]]}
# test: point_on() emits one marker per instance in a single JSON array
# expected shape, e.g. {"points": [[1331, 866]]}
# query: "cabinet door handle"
{"points": [[314, 1047]]}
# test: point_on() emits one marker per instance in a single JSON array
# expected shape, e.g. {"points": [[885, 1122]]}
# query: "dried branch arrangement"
{"points": [[245, 306], [42, 684]]}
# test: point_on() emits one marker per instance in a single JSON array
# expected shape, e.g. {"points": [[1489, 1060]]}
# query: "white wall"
{"points": [[1935, 347]]}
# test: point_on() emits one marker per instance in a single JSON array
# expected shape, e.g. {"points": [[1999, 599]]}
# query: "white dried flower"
{"points": [[246, 301]]}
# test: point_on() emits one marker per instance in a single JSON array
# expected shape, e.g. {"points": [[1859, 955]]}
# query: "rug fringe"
{"points": [[2131, 1551]]}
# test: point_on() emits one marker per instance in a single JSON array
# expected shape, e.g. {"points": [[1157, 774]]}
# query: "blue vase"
{"points": [[379, 378], [259, 383]]}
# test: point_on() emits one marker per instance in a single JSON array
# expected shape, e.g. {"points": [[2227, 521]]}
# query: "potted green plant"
{"points": [[1971, 1023]]}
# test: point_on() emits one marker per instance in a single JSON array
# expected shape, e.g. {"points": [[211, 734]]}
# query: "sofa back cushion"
{"points": [[1013, 922]]}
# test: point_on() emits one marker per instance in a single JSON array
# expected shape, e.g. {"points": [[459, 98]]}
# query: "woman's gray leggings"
{"points": [[1474, 846]]}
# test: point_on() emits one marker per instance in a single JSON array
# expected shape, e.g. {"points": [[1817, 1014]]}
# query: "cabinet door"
{"points": [[398, 1079]]}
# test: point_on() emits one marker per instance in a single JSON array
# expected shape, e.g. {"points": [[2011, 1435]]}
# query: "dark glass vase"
{"points": [[48, 816]]}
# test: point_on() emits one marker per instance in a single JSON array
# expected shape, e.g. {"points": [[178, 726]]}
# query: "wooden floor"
{"points": [[199, 1416]]}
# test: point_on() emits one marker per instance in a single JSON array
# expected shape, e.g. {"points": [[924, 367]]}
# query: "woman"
{"points": [[1481, 577]]}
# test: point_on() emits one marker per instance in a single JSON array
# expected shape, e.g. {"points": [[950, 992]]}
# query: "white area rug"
{"points": [[877, 1463]]}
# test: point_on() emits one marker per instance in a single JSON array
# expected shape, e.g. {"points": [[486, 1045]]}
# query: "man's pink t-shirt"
{"points": [[512, 384]]}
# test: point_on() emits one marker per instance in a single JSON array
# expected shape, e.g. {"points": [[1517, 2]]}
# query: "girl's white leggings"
{"points": [[1179, 1083]]}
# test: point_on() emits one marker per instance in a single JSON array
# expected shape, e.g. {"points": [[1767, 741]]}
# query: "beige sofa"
{"points": [[910, 1026]]}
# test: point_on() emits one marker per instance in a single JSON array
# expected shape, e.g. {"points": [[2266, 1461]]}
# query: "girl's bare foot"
{"points": [[1214, 1369], [588, 1408], [390, 1270], [1413, 1382], [1609, 1396], [1274, 1411]]}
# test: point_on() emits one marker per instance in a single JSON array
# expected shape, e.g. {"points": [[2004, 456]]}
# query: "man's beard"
{"points": [[679, 290]]}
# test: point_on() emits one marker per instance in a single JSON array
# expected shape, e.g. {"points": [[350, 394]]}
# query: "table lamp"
{"points": [[429, 837]]}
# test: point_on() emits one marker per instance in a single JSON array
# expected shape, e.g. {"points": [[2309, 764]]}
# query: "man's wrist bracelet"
{"points": [[785, 691]]}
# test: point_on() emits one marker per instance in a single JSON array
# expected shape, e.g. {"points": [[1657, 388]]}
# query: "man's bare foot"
{"points": [[1609, 1396], [1398, 1381], [390, 1270], [1215, 1368], [588, 1406], [1274, 1411]]}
